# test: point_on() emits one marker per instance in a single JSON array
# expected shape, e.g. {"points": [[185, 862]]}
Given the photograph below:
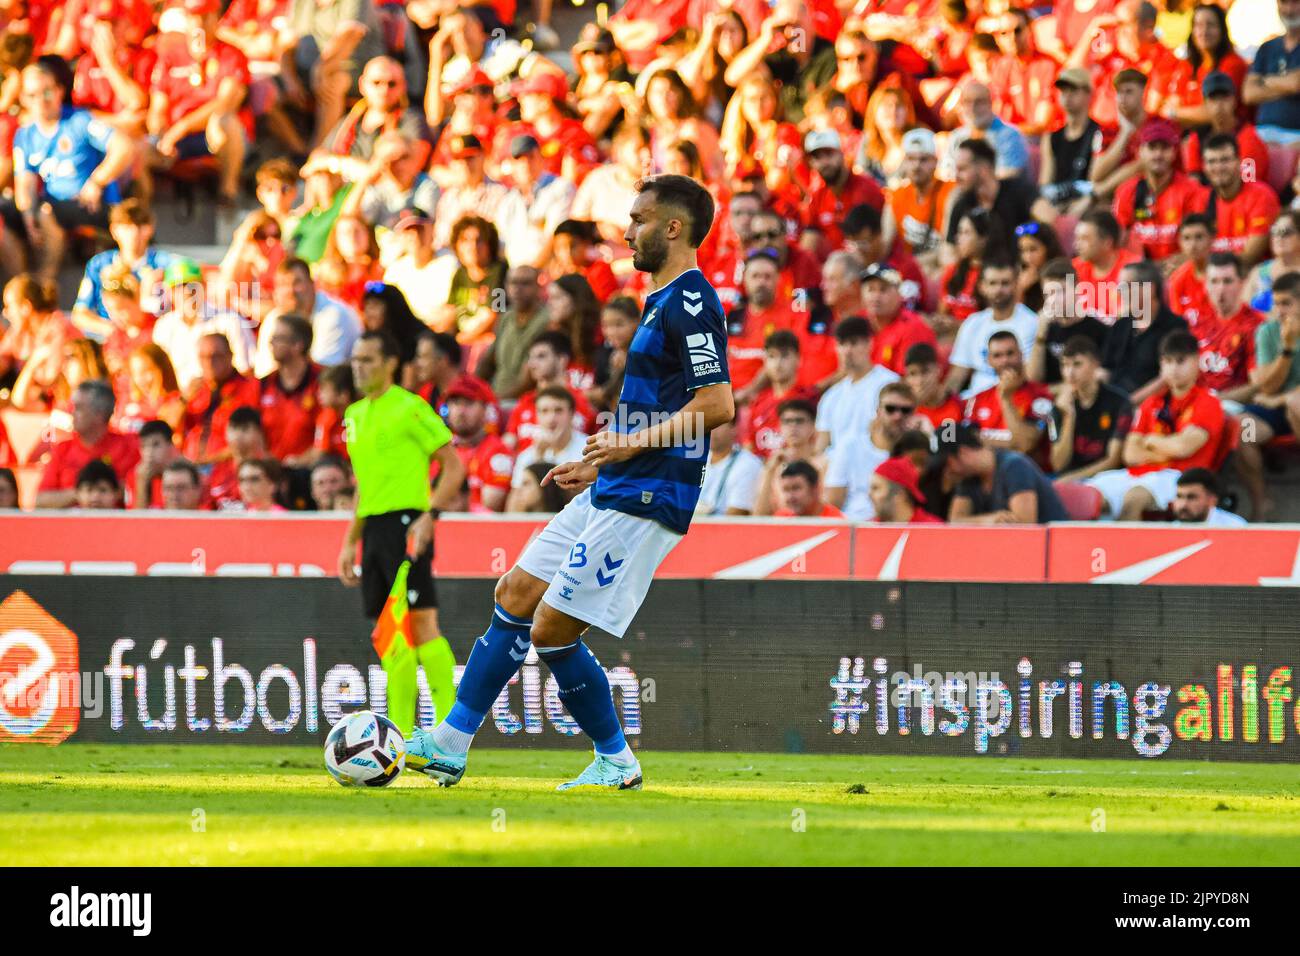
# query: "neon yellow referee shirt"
{"points": [[391, 440]]}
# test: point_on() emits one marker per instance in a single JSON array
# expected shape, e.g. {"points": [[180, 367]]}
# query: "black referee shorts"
{"points": [[383, 549]]}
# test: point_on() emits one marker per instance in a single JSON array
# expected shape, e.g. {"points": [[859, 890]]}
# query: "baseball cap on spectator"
{"points": [[412, 216], [475, 78], [1076, 78], [1218, 83], [947, 441], [903, 473], [182, 271], [465, 146], [543, 83], [522, 145], [469, 388], [920, 140], [595, 41], [1158, 130], [881, 271], [1124, 77], [822, 139]]}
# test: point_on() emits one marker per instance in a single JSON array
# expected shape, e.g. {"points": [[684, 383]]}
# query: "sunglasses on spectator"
{"points": [[898, 409], [853, 58], [267, 234], [1028, 229], [386, 84]]}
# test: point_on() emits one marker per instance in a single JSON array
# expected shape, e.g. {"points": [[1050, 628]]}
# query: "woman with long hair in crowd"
{"points": [[247, 272], [37, 329], [890, 114], [1284, 241], [672, 113], [1209, 50], [471, 311], [259, 485], [151, 391], [754, 129], [959, 282], [384, 309], [350, 260], [1037, 244], [723, 35], [575, 312], [81, 360]]}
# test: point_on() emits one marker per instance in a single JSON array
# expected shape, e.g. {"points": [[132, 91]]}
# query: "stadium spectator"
{"points": [[619, 320], [147, 390], [970, 372], [731, 478], [895, 328], [1175, 429], [1225, 331], [536, 203], [1068, 153], [916, 209], [329, 45], [384, 309], [331, 484], [533, 497], [995, 486], [466, 191], [1021, 76], [260, 30], [350, 260], [476, 285], [934, 404], [192, 318], [8, 490], [896, 495], [392, 181], [800, 493], [182, 486], [289, 402], [800, 270], [1098, 260], [575, 248], [1152, 203], [759, 429], [276, 188], [547, 364], [835, 190], [1186, 286], [196, 99], [574, 311], [763, 311], [1013, 412], [1242, 210], [98, 487], [323, 196], [1092, 418], [556, 440], [798, 442], [337, 390], [244, 440], [1273, 85], [1131, 355], [436, 366], [723, 251], [220, 390], [1037, 244], [1209, 52], [259, 486], [1223, 115], [82, 360], [334, 325], [1118, 161], [1284, 239], [67, 166], [979, 121], [1274, 408], [863, 235], [131, 224], [92, 440], [37, 331], [487, 461], [157, 451], [959, 281], [606, 194], [880, 153], [1010, 201], [848, 406], [413, 266], [1062, 317], [854, 456], [246, 276], [1196, 501]]}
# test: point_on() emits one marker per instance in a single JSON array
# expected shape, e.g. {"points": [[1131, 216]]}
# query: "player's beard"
{"points": [[650, 254]]}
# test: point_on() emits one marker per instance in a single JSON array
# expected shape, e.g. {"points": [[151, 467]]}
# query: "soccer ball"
{"points": [[365, 749]]}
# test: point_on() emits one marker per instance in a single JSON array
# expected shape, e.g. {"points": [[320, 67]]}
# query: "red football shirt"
{"points": [[890, 344], [488, 464], [747, 330], [1250, 213], [523, 420], [1227, 346], [1199, 407], [825, 208], [1153, 229], [1033, 401], [1186, 292], [760, 424], [206, 414], [90, 86], [328, 436], [1254, 154], [950, 409], [289, 417], [962, 303], [828, 511], [69, 456], [189, 83]]}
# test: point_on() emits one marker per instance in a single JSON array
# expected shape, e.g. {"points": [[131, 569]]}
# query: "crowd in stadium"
{"points": [[981, 262]]}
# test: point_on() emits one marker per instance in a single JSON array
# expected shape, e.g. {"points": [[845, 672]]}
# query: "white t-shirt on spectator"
{"points": [[335, 328], [971, 347], [426, 289], [853, 460], [533, 454], [1218, 518], [525, 223], [849, 407], [730, 483], [181, 341], [605, 196]]}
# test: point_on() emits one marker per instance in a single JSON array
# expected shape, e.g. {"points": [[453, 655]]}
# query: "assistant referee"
{"points": [[392, 437]]}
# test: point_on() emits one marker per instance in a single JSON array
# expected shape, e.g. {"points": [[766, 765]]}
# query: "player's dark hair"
{"points": [[1197, 219], [388, 346], [444, 343], [980, 151], [188, 467], [685, 194], [626, 306], [1077, 346], [557, 342], [156, 427], [98, 472], [862, 218], [559, 393], [246, 416], [801, 469], [853, 329], [922, 353], [782, 340], [1179, 345], [298, 326], [1200, 476], [800, 405], [1221, 141], [1229, 259], [1104, 221]]}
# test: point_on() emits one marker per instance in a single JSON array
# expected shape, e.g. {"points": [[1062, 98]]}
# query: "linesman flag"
{"points": [[395, 645]]}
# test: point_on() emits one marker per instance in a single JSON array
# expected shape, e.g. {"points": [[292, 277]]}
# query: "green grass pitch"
{"points": [[86, 804]]}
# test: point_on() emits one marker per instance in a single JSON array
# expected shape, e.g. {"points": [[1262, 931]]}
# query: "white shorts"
{"points": [[600, 562], [1114, 484]]}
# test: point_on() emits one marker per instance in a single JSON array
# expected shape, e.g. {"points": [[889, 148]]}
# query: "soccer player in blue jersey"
{"points": [[639, 482]]}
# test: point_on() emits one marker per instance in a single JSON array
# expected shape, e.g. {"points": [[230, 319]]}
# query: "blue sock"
{"points": [[494, 660], [584, 690]]}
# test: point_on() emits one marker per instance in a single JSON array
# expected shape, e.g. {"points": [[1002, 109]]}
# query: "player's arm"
{"points": [[1184, 444], [709, 407]]}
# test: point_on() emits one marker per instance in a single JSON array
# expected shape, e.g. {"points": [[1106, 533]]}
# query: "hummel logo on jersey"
{"points": [[692, 307], [704, 354], [691, 295], [651, 317]]}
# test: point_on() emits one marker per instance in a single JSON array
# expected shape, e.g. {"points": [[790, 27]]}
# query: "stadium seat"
{"points": [[1082, 502], [1281, 165], [1064, 227], [1229, 439]]}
